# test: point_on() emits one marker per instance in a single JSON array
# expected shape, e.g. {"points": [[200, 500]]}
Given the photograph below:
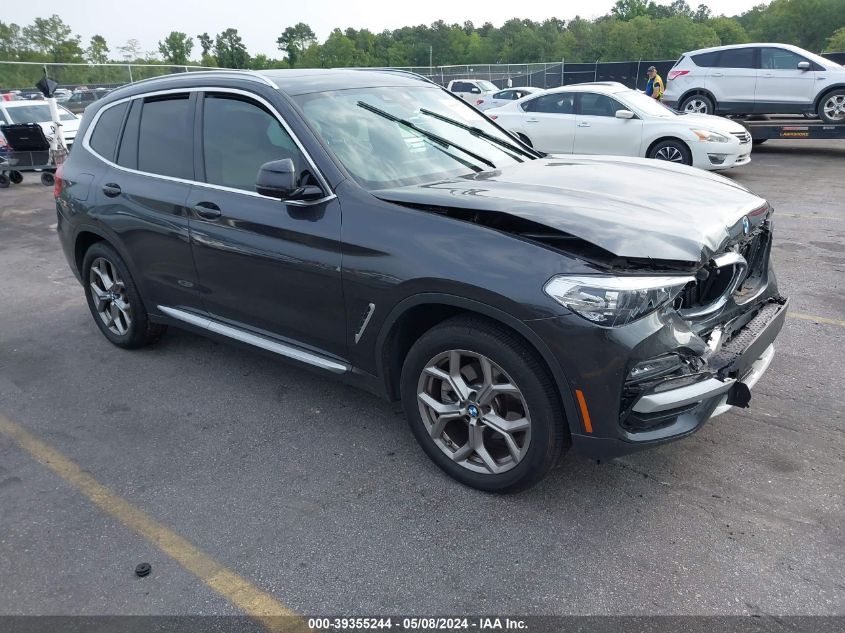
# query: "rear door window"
{"points": [[559, 103], [107, 131], [165, 139]]}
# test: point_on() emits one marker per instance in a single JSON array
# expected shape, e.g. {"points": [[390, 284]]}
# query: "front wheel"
{"points": [[482, 406], [697, 104], [832, 107], [673, 151], [16, 177]]}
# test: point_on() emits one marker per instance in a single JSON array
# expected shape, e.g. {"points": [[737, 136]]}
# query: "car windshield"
{"points": [[372, 132], [645, 105], [36, 113], [486, 85]]}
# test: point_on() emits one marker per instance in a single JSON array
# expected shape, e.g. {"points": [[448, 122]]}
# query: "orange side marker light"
{"points": [[585, 414]]}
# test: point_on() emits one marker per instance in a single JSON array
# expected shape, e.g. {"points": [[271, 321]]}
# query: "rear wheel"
{"points": [[114, 300], [671, 150], [482, 406], [16, 177], [832, 107], [47, 179], [698, 104]]}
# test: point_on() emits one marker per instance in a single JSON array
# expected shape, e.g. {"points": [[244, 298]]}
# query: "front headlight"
{"points": [[712, 137], [614, 301]]}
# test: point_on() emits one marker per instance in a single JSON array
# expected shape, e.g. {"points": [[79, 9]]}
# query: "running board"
{"points": [[283, 349]]}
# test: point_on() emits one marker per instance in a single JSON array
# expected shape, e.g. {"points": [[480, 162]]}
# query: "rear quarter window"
{"points": [[705, 60], [106, 133]]}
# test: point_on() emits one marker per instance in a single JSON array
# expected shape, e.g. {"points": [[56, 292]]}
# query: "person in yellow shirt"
{"points": [[654, 87]]}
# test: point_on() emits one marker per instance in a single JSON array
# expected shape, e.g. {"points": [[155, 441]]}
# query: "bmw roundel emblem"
{"points": [[472, 410], [746, 225]]}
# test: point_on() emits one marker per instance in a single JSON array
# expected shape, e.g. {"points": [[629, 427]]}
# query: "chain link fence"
{"points": [[24, 75]]}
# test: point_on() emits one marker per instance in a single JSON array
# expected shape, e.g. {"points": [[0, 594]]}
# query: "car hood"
{"points": [[69, 128], [712, 122], [630, 207]]}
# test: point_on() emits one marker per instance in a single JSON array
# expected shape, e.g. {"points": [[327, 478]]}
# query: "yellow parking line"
{"points": [[240, 592], [817, 319]]}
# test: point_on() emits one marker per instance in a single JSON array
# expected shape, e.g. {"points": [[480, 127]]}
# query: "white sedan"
{"points": [[504, 97], [25, 111], [608, 118]]}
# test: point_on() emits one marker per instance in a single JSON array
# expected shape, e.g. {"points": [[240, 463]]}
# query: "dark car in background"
{"points": [[81, 99], [373, 226]]}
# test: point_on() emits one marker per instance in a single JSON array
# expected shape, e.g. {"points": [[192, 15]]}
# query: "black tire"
{"points": [[837, 95], [4, 181], [16, 177], [671, 150], [702, 104], [549, 433], [759, 141], [141, 331], [47, 179]]}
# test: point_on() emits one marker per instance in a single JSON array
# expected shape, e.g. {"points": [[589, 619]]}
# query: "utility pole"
{"points": [[430, 58]]}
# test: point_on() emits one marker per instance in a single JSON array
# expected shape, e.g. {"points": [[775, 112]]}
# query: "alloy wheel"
{"points": [[109, 294], [670, 153], [474, 412], [696, 106], [834, 108]]}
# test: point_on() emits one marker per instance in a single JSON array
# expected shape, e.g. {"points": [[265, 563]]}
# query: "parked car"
{"points": [[62, 94], [372, 226], [504, 97], [25, 111], [608, 118], [81, 99], [757, 79], [473, 91]]}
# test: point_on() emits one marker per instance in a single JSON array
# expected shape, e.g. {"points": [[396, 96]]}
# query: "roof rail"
{"points": [[247, 74]]}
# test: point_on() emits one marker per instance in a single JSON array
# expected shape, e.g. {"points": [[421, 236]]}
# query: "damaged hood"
{"points": [[631, 207]]}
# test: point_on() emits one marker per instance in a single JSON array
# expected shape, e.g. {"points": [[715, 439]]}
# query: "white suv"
{"points": [[473, 91], [757, 79]]}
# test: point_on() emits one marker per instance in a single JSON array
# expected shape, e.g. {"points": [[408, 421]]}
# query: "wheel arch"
{"points": [[86, 235], [824, 93], [667, 138], [419, 313]]}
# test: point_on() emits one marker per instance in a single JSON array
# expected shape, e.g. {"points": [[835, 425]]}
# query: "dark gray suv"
{"points": [[373, 226]]}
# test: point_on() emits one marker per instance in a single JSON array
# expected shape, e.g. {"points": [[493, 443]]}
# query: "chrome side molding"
{"points": [[283, 349], [370, 309]]}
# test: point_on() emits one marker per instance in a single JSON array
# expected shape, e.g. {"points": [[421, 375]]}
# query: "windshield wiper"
{"points": [[478, 132], [429, 135]]}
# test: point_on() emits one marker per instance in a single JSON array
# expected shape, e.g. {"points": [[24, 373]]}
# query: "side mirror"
{"points": [[624, 114], [277, 179], [475, 91], [803, 65]]}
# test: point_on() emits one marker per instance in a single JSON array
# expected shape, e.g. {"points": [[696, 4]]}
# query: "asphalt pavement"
{"points": [[317, 494]]}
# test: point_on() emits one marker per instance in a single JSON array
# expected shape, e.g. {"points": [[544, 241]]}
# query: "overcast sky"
{"points": [[260, 22]]}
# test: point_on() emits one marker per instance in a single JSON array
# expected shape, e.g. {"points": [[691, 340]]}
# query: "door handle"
{"points": [[532, 120], [207, 210], [583, 124], [717, 75], [768, 75], [111, 190]]}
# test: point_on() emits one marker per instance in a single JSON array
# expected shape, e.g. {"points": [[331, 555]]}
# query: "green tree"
{"points": [[11, 41], [131, 51], [728, 30], [97, 51], [205, 43], [629, 9], [294, 40], [176, 48], [836, 42], [229, 50], [702, 13], [52, 37]]}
